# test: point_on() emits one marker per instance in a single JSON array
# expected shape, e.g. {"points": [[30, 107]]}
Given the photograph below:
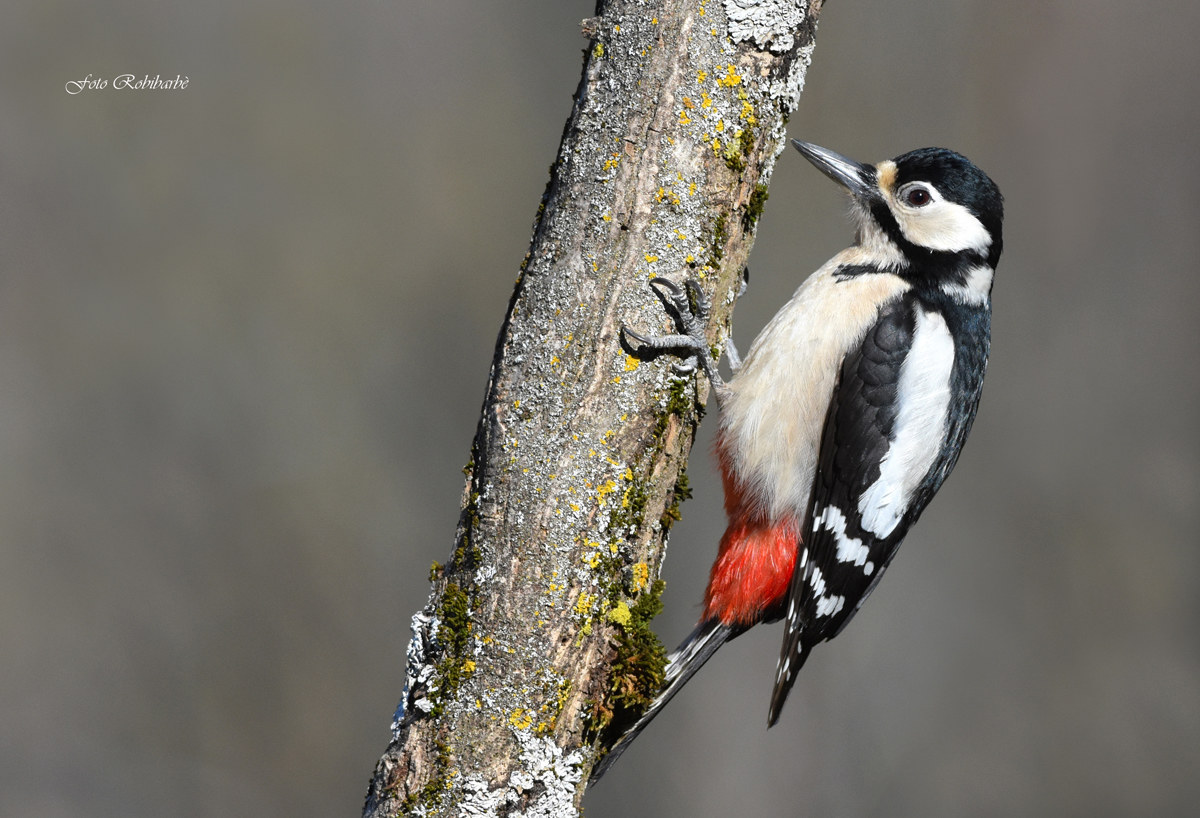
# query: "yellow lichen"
{"points": [[641, 576], [620, 614], [520, 719], [604, 489]]}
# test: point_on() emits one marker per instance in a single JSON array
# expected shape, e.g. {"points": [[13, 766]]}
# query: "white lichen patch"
{"points": [[478, 800], [544, 763], [544, 768], [770, 24], [418, 670]]}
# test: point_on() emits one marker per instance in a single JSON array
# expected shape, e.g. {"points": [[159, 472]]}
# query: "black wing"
{"points": [[840, 562]]}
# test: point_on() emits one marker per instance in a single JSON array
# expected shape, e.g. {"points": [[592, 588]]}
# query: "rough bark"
{"points": [[535, 642]]}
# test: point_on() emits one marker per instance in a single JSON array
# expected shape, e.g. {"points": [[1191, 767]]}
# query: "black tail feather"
{"points": [[689, 657]]}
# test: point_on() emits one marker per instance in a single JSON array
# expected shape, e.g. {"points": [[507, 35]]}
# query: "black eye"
{"points": [[918, 197]]}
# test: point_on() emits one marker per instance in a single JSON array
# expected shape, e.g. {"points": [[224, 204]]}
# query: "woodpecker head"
{"points": [[929, 213]]}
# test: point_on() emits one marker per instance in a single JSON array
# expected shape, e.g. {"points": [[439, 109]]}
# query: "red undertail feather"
{"points": [[754, 565]]}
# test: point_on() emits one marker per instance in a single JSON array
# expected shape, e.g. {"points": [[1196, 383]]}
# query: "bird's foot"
{"points": [[689, 306]]}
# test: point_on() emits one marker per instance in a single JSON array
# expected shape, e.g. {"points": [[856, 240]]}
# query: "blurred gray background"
{"points": [[244, 335]]}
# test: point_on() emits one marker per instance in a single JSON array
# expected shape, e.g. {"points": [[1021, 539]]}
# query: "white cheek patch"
{"points": [[942, 225], [923, 397]]}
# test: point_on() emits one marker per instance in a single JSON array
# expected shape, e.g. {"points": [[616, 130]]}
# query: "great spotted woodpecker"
{"points": [[849, 411]]}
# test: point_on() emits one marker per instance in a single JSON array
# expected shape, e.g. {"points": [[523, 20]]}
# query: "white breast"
{"points": [[772, 420]]}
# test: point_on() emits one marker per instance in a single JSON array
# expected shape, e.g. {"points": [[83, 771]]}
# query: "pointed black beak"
{"points": [[858, 178]]}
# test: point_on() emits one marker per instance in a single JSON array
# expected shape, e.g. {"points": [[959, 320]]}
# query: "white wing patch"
{"points": [[849, 549], [829, 605], [923, 396], [826, 605]]}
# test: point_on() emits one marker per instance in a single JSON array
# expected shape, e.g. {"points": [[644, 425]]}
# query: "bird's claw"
{"points": [[689, 307], [642, 340], [664, 343], [689, 303], [686, 366], [689, 319]]}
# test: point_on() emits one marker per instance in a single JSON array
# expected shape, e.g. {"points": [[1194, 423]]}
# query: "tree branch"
{"points": [[535, 644]]}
